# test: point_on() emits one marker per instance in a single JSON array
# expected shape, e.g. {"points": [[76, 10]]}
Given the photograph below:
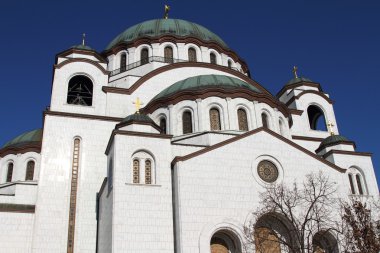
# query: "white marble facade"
{"points": [[184, 187]]}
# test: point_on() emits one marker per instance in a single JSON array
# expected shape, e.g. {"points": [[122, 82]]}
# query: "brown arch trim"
{"points": [[183, 65], [28, 147], [96, 64], [176, 39], [310, 92], [215, 92], [299, 84], [79, 51]]}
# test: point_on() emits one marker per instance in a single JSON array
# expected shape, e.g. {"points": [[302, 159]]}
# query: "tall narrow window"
{"points": [[10, 172], [168, 53], [214, 119], [144, 56], [212, 58], [29, 170], [229, 64], [123, 62], [281, 126], [136, 171], [192, 55], [73, 196], [264, 119], [148, 172], [163, 125], [242, 120], [187, 122], [317, 119], [80, 91], [351, 184], [359, 182]]}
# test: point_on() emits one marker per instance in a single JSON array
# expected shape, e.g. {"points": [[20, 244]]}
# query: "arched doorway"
{"points": [[325, 242], [224, 242]]}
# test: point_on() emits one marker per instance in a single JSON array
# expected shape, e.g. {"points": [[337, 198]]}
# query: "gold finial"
{"points": [[330, 126], [138, 105], [167, 9], [295, 71], [83, 39]]}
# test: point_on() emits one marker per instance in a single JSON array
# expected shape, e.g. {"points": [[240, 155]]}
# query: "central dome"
{"points": [[158, 27]]}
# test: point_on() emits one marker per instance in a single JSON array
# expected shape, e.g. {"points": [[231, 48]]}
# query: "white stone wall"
{"points": [[16, 232], [220, 188], [105, 221]]}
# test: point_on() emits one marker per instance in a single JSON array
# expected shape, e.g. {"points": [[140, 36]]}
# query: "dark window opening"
{"points": [[212, 58], [351, 184], [29, 170], [187, 122], [192, 55], [80, 91], [163, 125], [242, 120], [360, 188], [10, 172], [230, 64], [214, 119], [123, 63], [168, 54], [264, 119], [144, 56], [316, 118]]}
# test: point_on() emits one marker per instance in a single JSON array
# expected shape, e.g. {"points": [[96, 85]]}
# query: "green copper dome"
{"points": [[206, 81], [137, 117], [25, 138], [157, 27], [82, 47], [333, 139]]}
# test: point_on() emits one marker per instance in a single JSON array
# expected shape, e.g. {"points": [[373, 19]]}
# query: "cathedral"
{"points": [[163, 142]]}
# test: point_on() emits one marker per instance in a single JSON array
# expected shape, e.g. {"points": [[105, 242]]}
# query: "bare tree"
{"points": [[361, 231], [295, 218]]}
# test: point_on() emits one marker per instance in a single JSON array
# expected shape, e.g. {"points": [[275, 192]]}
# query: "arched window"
{"points": [[148, 172], [10, 172], [351, 184], [224, 242], [136, 171], [168, 54], [266, 241], [325, 242], [317, 119], [187, 122], [144, 56], [123, 62], [359, 182], [163, 125], [214, 119], [29, 170], [242, 120], [80, 91], [212, 58], [264, 119], [192, 55], [229, 64]]}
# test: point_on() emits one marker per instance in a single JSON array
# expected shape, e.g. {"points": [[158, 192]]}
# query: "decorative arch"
{"points": [[358, 184], [225, 241], [80, 91], [317, 119], [325, 242], [30, 166], [143, 167]]}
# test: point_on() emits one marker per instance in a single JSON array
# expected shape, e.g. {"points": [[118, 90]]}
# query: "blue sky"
{"points": [[335, 43]]}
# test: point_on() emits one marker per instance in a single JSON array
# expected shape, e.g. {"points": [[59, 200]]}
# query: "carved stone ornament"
{"points": [[267, 171]]}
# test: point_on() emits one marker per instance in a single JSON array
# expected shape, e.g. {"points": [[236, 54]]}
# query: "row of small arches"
{"points": [[29, 174], [168, 57], [215, 121]]}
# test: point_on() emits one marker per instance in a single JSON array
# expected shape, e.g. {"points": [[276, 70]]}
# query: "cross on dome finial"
{"points": [[295, 71], [167, 9], [83, 39], [138, 105], [330, 126]]}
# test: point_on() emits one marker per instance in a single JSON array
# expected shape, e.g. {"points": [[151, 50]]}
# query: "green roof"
{"points": [[333, 139], [25, 138], [138, 117], [157, 27], [82, 47], [206, 81], [299, 79]]}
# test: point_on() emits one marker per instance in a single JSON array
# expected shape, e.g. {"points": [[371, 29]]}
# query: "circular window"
{"points": [[267, 171]]}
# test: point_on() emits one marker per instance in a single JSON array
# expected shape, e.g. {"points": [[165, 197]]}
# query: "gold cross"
{"points": [[295, 71], [138, 105], [330, 126], [83, 39], [167, 9]]}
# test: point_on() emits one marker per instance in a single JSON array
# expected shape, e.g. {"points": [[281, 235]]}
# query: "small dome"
{"points": [[206, 81], [299, 79], [333, 139], [82, 47], [157, 27], [25, 138], [137, 117]]}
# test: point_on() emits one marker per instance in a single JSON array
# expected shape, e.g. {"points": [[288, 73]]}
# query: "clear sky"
{"points": [[335, 43]]}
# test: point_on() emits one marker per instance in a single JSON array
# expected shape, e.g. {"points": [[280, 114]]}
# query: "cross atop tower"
{"points": [[138, 104], [167, 9], [295, 71], [330, 126]]}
